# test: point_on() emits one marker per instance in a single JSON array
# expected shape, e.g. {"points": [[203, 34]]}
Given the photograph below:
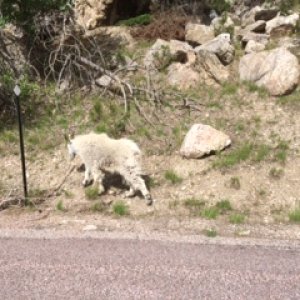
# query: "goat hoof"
{"points": [[149, 201], [86, 183]]}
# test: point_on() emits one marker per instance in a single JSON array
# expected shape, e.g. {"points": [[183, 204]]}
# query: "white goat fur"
{"points": [[101, 153]]}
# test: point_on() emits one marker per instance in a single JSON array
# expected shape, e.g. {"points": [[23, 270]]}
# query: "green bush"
{"points": [[139, 20], [219, 5]]}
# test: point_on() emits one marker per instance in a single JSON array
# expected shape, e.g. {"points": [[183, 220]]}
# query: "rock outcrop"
{"points": [[221, 46], [202, 140], [276, 70]]}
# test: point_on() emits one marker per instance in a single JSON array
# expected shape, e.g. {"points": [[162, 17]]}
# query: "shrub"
{"points": [[139, 20], [237, 219], [120, 208], [294, 216], [171, 176], [91, 192], [210, 213]]}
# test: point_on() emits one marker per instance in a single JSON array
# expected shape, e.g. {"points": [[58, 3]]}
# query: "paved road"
{"points": [[103, 268]]}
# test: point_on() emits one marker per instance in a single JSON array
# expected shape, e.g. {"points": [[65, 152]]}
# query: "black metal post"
{"points": [[22, 146]]}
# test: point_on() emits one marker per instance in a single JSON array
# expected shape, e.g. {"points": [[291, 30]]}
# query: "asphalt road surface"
{"points": [[106, 268]]}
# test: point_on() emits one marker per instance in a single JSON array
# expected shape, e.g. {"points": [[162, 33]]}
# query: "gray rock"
{"points": [[198, 33], [253, 46], [202, 140], [258, 26], [258, 13], [182, 76], [288, 22], [266, 14], [182, 52], [257, 37], [156, 54], [221, 46], [210, 68], [276, 70]]}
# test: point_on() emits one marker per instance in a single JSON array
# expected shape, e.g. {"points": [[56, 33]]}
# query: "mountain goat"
{"points": [[101, 154]]}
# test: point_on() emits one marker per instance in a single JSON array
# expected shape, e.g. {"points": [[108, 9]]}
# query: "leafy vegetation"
{"points": [[294, 216], [223, 206], [60, 206], [120, 208], [236, 219], [210, 232], [171, 176], [23, 12], [210, 213], [92, 192], [98, 207], [139, 20], [235, 183], [236, 156]]}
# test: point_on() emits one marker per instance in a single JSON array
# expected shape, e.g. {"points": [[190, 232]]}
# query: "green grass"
{"points": [[237, 219], [91, 192], [210, 213], [294, 216], [60, 206], [223, 206], [210, 232], [234, 157], [193, 203], [98, 207], [292, 99], [253, 88], [139, 20], [235, 183], [229, 88], [120, 208], [276, 173], [261, 152], [68, 194], [281, 151], [173, 204], [171, 176]]}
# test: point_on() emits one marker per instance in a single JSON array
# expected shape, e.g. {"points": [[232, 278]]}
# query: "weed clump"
{"points": [[171, 176], [294, 216], [120, 208], [237, 219], [91, 192], [210, 232], [138, 20]]}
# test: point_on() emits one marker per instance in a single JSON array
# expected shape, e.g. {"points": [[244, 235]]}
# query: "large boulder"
{"points": [[89, 14], [221, 46], [210, 68], [198, 34], [182, 52], [256, 37], [157, 55], [253, 46], [202, 140], [282, 23], [182, 76], [276, 70], [258, 13], [258, 26]]}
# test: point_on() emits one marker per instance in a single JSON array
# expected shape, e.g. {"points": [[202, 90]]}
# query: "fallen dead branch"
{"points": [[19, 201]]}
